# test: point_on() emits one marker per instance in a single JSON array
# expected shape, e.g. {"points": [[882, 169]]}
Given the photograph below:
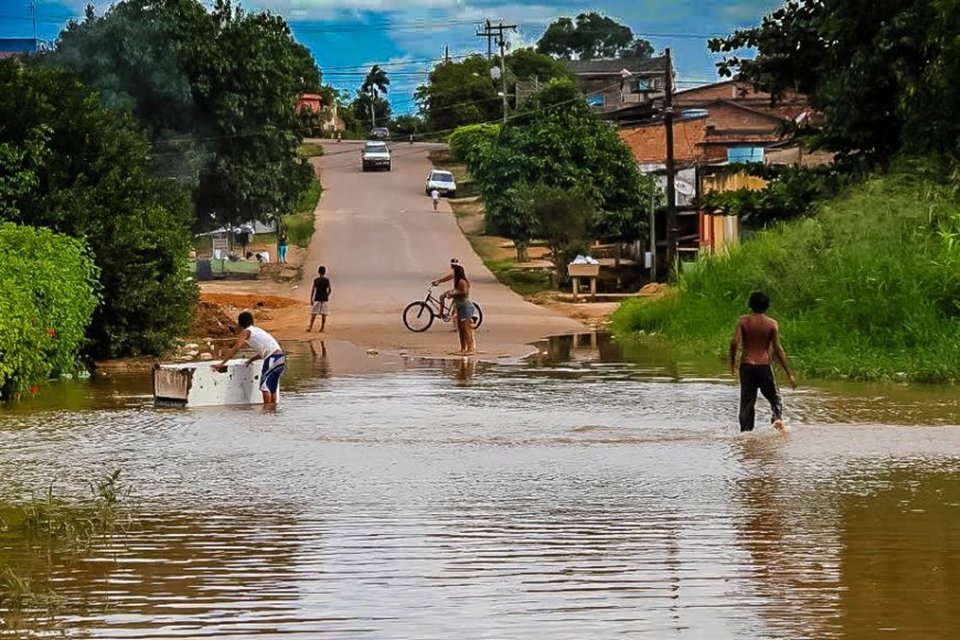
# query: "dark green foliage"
{"points": [[867, 289], [555, 140], [47, 285], [216, 91], [459, 93], [884, 74], [791, 193], [562, 218], [592, 36], [85, 174], [469, 143], [526, 63], [406, 125]]}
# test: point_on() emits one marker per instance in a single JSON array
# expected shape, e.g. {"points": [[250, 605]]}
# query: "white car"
{"points": [[443, 182], [376, 155]]}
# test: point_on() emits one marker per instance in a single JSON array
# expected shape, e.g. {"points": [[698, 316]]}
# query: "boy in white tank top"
{"points": [[267, 348]]}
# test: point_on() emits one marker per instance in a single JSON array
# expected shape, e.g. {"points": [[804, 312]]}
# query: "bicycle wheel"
{"points": [[418, 316], [477, 316]]}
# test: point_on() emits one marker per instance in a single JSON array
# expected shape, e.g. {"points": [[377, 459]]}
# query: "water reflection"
{"points": [[601, 490]]}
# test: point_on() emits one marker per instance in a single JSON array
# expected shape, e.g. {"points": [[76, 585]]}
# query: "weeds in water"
{"points": [[868, 289], [43, 531]]}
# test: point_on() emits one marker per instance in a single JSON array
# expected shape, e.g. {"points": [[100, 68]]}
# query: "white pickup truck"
{"points": [[376, 155]]}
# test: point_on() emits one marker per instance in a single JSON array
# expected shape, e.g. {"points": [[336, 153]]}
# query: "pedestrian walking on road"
{"points": [[320, 297], [755, 335], [435, 196], [267, 348], [282, 247]]}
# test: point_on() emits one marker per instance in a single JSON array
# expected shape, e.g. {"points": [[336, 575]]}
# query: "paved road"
{"points": [[382, 243]]}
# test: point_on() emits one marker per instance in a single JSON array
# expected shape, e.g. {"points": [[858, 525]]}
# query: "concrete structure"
{"points": [[196, 384], [614, 84]]}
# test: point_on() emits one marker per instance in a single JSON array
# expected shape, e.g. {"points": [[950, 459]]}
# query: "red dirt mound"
{"points": [[246, 301]]}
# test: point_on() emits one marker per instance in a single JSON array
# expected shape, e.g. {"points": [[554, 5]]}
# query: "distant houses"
{"points": [[10, 47], [611, 85]]}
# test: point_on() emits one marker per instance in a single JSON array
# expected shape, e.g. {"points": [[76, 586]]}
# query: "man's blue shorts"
{"points": [[271, 371]]}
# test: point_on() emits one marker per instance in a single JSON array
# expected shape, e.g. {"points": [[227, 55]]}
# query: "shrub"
{"points": [[87, 176], [468, 143], [47, 284]]}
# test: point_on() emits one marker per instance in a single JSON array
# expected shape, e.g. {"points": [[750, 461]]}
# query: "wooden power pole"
{"points": [[671, 170]]}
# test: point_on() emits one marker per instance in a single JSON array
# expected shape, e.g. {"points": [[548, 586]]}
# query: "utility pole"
{"points": [[672, 226], [33, 18], [489, 33], [503, 73], [373, 112]]}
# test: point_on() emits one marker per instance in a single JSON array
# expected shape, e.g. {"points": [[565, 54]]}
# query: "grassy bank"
{"points": [[868, 289], [300, 224]]}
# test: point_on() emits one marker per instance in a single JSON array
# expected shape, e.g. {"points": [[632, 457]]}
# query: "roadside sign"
{"points": [[220, 246]]}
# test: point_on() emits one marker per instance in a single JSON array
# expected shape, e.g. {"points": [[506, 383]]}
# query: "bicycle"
{"points": [[420, 314]]}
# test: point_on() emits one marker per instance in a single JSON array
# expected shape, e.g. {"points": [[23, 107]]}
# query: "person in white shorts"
{"points": [[320, 297], [266, 348]]}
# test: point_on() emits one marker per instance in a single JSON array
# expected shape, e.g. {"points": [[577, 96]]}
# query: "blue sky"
{"points": [[406, 36]]}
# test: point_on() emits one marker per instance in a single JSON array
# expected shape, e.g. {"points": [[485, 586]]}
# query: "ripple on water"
{"points": [[568, 502]]}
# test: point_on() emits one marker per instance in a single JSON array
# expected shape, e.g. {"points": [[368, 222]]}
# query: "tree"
{"points": [[470, 143], [376, 82], [883, 74], [561, 217], [215, 90], [406, 125], [83, 171], [48, 286], [368, 109], [591, 37], [555, 140], [459, 93]]}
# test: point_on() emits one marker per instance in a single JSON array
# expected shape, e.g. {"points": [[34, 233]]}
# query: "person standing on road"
{"points": [[435, 196], [282, 247], [455, 267], [465, 311], [320, 297], [755, 335], [267, 348]]}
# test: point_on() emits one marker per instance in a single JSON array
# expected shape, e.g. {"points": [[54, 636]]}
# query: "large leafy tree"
{"points": [[458, 93], [883, 73], [83, 171], [555, 140], [216, 90], [591, 36]]}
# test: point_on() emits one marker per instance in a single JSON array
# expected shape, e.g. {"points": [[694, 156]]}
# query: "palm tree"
{"points": [[376, 82]]}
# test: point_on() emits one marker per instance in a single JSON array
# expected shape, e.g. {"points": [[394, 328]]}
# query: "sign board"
{"points": [[220, 243]]}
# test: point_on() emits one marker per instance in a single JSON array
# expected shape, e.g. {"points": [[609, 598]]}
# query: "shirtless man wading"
{"points": [[754, 336]]}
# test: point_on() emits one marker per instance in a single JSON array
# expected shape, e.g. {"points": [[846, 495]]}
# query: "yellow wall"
{"points": [[721, 231]]}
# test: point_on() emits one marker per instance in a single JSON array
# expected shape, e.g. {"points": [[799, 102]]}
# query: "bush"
{"points": [[867, 289], [88, 177], [47, 284], [468, 143]]}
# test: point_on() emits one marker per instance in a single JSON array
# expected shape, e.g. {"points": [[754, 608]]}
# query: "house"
{"points": [[329, 118], [611, 85], [716, 125], [10, 47]]}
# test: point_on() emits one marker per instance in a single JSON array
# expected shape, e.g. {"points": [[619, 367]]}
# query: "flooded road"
{"points": [[574, 497]]}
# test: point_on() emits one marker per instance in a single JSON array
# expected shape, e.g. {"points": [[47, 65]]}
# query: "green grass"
{"points": [[525, 282], [300, 224], [311, 150], [868, 289]]}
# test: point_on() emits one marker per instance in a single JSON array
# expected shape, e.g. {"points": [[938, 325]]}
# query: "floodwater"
{"points": [[577, 496]]}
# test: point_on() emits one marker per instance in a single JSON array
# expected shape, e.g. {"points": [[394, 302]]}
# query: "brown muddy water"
{"points": [[576, 496]]}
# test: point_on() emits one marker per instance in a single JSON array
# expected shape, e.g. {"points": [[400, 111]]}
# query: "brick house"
{"points": [[715, 125], [610, 85], [329, 118]]}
